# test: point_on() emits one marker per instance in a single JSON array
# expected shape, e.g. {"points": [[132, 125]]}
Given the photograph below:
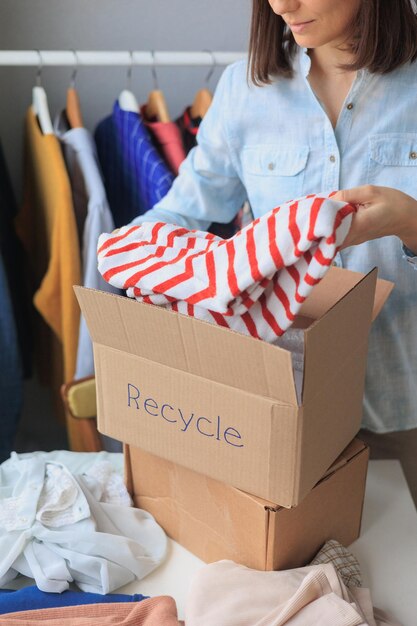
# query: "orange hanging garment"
{"points": [[46, 225]]}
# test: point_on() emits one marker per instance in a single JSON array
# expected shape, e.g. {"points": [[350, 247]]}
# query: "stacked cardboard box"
{"points": [[223, 413], [216, 521]]}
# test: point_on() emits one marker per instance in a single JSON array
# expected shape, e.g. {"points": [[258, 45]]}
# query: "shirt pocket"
{"points": [[393, 161], [274, 174]]}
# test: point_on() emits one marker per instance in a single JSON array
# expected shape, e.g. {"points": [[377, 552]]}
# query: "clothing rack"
{"points": [[81, 58]]}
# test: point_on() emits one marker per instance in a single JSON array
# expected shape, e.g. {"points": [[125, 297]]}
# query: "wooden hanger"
{"points": [[203, 97], [156, 107], [73, 109], [72, 106], [40, 103], [202, 101]]}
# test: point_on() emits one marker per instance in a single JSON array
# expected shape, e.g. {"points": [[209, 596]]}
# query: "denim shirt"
{"points": [[275, 143]]}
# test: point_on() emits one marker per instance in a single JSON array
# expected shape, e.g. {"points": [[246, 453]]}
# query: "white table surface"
{"points": [[386, 550], [387, 547]]}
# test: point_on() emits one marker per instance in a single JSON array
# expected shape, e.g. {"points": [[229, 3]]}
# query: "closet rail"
{"points": [[81, 58]]}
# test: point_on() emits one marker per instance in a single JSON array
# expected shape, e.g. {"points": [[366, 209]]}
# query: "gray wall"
{"points": [[109, 25]]}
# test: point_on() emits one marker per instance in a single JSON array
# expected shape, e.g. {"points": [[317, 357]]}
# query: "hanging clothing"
{"points": [[188, 127], [57, 527], [93, 218], [11, 383], [233, 595], [167, 139], [47, 228], [32, 598], [159, 611], [135, 175], [13, 258], [254, 282]]}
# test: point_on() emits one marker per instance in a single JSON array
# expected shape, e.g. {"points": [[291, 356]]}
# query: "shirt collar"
{"points": [[304, 65], [78, 138], [304, 61]]}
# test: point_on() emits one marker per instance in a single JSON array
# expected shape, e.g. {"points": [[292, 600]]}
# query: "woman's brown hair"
{"points": [[388, 39]]}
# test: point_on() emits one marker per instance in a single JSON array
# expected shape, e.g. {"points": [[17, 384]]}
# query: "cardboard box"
{"points": [[224, 404], [216, 521]]}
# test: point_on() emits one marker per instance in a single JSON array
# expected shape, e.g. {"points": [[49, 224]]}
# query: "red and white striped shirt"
{"points": [[254, 282]]}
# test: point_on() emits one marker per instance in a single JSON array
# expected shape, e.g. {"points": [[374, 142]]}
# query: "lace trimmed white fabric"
{"points": [[59, 528], [106, 484]]}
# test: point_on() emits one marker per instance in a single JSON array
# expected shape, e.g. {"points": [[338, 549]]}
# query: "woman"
{"points": [[331, 104]]}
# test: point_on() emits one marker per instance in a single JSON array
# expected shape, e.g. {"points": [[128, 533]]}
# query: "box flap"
{"points": [[355, 447], [334, 286], [188, 344], [334, 337], [382, 291], [332, 510]]}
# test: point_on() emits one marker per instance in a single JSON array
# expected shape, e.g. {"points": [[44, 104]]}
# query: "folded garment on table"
{"points": [[31, 598], [233, 595], [80, 462], [159, 611], [344, 562], [58, 528], [254, 282]]}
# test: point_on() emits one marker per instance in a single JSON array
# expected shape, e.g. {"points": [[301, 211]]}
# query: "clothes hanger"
{"points": [[127, 99], [156, 107], [40, 103], [203, 97], [72, 107], [201, 103]]}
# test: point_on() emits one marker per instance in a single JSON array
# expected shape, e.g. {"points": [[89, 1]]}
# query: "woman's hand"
{"points": [[381, 211]]}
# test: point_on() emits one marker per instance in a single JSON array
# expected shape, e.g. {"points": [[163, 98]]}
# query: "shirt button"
{"points": [[332, 158], [413, 155], [271, 166], [349, 106]]}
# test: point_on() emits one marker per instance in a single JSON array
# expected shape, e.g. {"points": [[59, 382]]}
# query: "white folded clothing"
{"points": [[55, 529]]}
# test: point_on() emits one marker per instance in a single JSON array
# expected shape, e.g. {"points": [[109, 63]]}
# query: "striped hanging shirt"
{"points": [[254, 282], [135, 175]]}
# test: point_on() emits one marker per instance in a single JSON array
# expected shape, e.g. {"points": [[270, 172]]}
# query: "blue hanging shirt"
{"points": [[135, 175]]}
